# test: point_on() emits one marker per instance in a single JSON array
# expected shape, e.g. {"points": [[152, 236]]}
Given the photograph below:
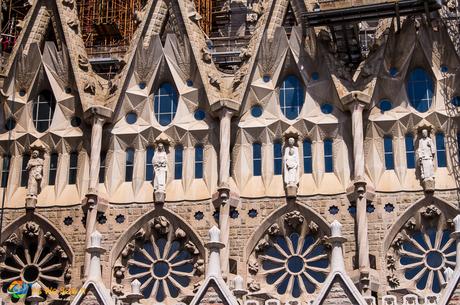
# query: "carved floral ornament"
{"points": [[292, 256], [33, 255], [163, 258], [421, 251]]}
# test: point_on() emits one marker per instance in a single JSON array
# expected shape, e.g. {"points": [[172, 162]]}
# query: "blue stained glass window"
{"points": [[102, 167], [53, 168], [257, 159], [178, 161], [43, 110], [420, 89], [266, 78], [24, 175], [5, 170], [385, 105], [328, 156], [388, 152], [307, 157], [291, 97], [410, 151], [327, 108], [393, 71], [456, 101], [73, 167], [165, 104], [199, 152], [199, 115], [441, 150], [148, 163], [315, 76], [131, 118], [129, 166], [277, 158], [256, 111]]}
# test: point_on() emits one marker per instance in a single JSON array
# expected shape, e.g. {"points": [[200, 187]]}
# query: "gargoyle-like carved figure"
{"points": [[421, 252], [163, 258], [292, 250], [34, 255]]}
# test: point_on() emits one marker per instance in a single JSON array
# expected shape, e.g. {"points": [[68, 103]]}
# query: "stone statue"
{"points": [[425, 152], [35, 169], [291, 164], [160, 167]]}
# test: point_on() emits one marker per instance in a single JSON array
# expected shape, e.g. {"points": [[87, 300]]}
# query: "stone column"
{"points": [[456, 235], [336, 240], [225, 117], [214, 246], [95, 159]]}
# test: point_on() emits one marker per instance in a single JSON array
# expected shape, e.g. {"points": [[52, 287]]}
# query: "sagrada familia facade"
{"points": [[294, 169]]}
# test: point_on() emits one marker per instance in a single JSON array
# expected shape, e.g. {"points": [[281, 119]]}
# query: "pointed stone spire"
{"points": [[238, 290], [336, 240], [135, 295], [95, 250], [35, 296], [214, 245], [448, 273]]}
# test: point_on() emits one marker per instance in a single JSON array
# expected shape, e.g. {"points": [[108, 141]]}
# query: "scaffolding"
{"points": [[12, 14]]}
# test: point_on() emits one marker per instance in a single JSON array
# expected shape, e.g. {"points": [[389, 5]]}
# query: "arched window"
{"points": [[328, 156], [199, 151], [410, 151], [441, 150], [420, 89], [5, 170], [307, 157], [73, 167], [388, 152], [178, 160], [277, 158], [54, 157], [256, 159], [24, 175], [43, 110], [129, 166], [291, 97], [102, 167], [149, 163], [165, 103]]}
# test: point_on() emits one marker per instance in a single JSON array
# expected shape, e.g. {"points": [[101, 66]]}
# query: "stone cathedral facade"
{"points": [[291, 176]]}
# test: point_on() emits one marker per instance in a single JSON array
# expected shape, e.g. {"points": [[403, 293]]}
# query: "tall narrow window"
{"points": [[53, 168], [388, 151], [307, 157], [291, 97], [420, 89], [5, 170], [165, 103], [178, 160], [199, 151], [458, 146], [328, 156], [277, 158], [441, 150], [102, 166], [149, 163], [129, 167], [257, 159], [24, 175], [410, 151], [43, 110], [73, 167]]}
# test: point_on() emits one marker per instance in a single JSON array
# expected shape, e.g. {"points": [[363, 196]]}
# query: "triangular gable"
{"points": [[451, 295], [338, 288], [93, 293], [215, 289]]}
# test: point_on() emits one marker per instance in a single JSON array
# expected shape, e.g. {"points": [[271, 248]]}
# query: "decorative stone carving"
{"points": [[294, 219], [274, 229], [253, 266], [431, 212], [199, 266], [90, 87], [49, 237], [214, 80], [393, 281], [206, 55], [190, 247], [161, 224], [83, 62], [245, 54], [398, 241], [68, 274], [128, 250], [73, 24], [68, 3], [261, 245], [180, 233], [118, 289], [426, 151], [410, 224], [391, 262], [13, 240], [160, 167], [35, 170], [291, 164], [119, 271], [253, 286], [139, 234], [31, 230], [313, 227]]}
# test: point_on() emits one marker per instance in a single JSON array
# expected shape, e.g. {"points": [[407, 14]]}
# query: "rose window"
{"points": [[424, 249], [163, 259], [292, 257], [31, 255]]}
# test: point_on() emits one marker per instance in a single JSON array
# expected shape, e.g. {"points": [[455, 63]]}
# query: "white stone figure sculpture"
{"points": [[291, 164], [425, 152], [160, 167], [35, 169]]}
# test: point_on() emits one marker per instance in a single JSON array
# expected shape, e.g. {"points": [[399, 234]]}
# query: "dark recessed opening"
{"points": [[30, 273]]}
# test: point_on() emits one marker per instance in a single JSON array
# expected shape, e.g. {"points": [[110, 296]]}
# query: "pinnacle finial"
{"points": [[96, 239], [336, 229], [214, 234], [457, 223]]}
